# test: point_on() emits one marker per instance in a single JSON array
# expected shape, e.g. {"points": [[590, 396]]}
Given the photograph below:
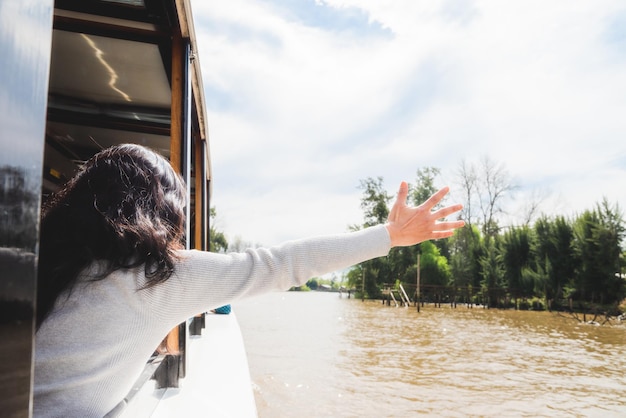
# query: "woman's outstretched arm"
{"points": [[205, 280]]}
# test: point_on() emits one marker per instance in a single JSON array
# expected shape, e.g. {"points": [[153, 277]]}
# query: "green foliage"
{"points": [[554, 254], [354, 276], [312, 284], [466, 249], [539, 264], [598, 235], [369, 275], [374, 201], [217, 240], [492, 270], [516, 258], [434, 266], [403, 264], [425, 185]]}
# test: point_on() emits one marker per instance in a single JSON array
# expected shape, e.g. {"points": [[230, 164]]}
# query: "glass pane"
{"points": [[135, 3], [103, 70]]}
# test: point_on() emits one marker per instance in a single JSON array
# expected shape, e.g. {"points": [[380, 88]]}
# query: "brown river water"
{"points": [[314, 354]]}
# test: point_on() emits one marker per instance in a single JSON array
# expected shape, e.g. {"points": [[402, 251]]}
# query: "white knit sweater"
{"points": [[95, 343]]}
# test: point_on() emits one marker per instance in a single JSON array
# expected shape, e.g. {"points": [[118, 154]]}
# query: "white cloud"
{"points": [[300, 111]]}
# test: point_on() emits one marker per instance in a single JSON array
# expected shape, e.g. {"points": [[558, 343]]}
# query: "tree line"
{"points": [[544, 262]]}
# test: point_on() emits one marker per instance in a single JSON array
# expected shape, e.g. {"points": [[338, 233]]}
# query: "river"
{"points": [[314, 354]]}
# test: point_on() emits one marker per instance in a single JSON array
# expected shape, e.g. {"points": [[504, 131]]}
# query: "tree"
{"points": [[434, 267], [367, 275], [492, 270], [217, 240], [465, 252], [370, 274], [468, 180], [532, 205], [374, 201], [486, 187], [425, 185], [516, 259], [554, 254], [612, 220], [494, 186], [312, 284], [403, 264], [598, 235]]}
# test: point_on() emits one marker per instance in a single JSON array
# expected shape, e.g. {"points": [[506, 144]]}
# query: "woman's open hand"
{"points": [[412, 225]]}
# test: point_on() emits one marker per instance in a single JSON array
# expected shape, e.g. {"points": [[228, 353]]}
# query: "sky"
{"points": [[306, 98]]}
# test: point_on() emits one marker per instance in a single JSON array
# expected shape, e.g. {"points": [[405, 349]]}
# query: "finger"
{"points": [[432, 201], [448, 226], [447, 211], [447, 230], [403, 192], [442, 234]]}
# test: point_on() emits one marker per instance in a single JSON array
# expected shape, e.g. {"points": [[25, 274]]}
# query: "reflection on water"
{"points": [[316, 355]]}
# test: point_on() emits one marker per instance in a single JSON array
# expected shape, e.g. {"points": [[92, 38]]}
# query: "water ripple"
{"points": [[394, 362]]}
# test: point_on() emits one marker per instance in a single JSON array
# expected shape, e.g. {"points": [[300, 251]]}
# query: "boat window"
{"points": [[103, 90], [69, 145], [108, 71]]}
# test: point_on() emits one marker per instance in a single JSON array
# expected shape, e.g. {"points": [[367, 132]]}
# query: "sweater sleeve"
{"points": [[204, 280]]}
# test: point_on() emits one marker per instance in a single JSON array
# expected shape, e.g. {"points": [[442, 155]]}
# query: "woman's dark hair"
{"points": [[124, 208]]}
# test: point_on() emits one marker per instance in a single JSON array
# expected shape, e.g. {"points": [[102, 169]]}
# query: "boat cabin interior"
{"points": [[123, 71]]}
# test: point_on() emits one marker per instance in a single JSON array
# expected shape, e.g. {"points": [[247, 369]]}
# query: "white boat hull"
{"points": [[217, 381]]}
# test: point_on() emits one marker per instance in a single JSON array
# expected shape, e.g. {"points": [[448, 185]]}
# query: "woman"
{"points": [[114, 279]]}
